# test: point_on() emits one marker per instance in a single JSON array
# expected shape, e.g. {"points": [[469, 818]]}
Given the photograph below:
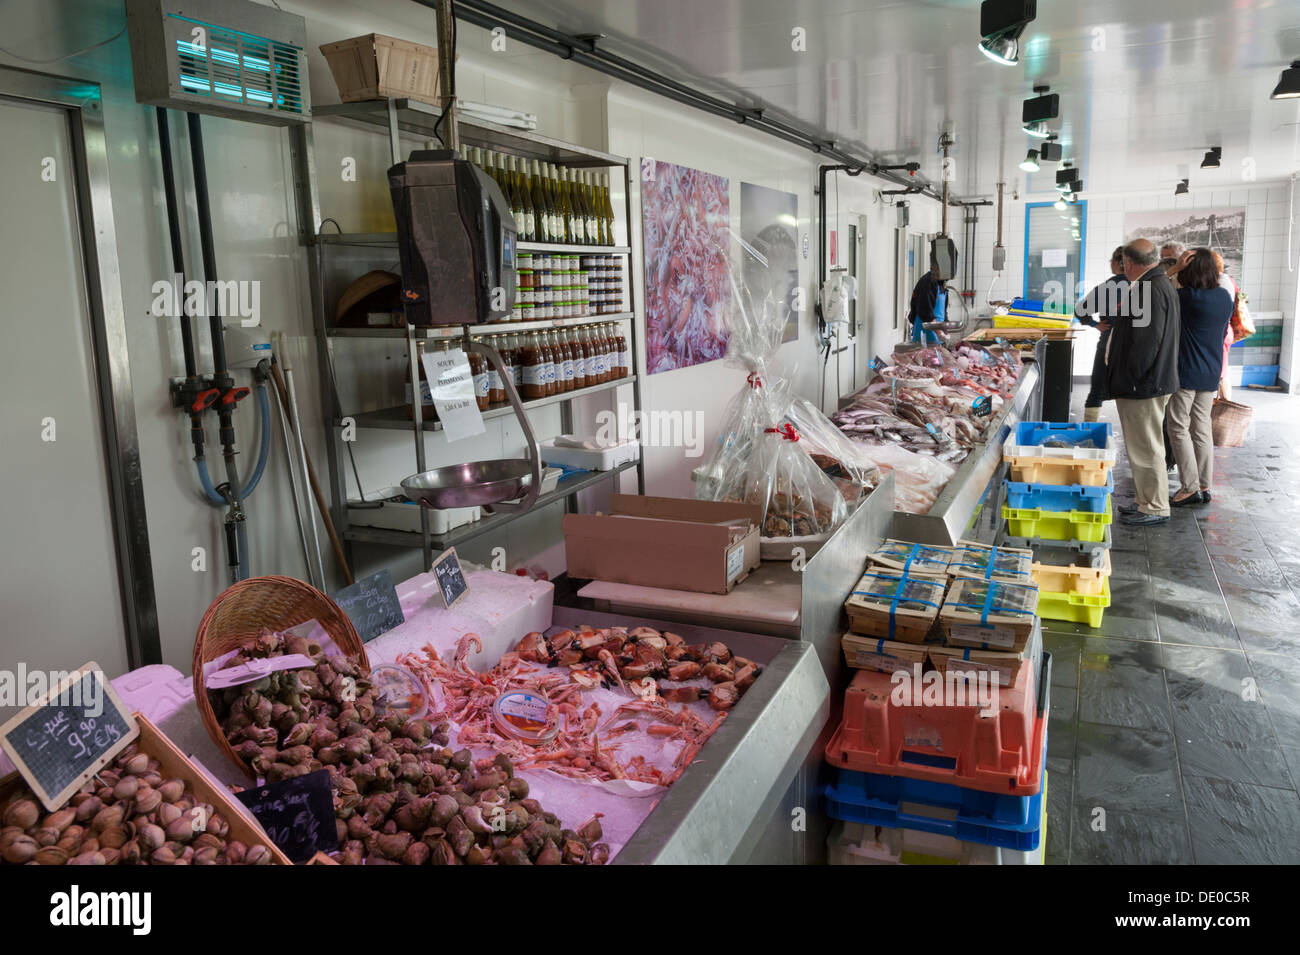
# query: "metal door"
{"points": [[75, 578]]}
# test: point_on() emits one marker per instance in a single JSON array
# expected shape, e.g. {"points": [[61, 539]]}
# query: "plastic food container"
{"points": [[1057, 525], [400, 691], [524, 715]]}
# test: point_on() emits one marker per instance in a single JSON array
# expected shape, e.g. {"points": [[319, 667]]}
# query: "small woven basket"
{"points": [[1229, 422], [238, 615]]}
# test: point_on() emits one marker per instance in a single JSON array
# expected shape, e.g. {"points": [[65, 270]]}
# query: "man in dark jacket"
{"points": [[1104, 302], [1141, 374], [929, 304]]}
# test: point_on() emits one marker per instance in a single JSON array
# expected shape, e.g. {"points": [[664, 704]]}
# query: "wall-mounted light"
{"points": [[1182, 188], [1288, 87], [1001, 23], [1059, 204], [1211, 160], [1030, 163]]}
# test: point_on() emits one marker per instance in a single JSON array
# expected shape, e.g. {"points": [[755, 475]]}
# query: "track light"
{"points": [[1002, 49], [1050, 151], [1001, 23], [1181, 188], [1030, 163], [1211, 160], [1037, 129], [1059, 204], [1288, 87]]}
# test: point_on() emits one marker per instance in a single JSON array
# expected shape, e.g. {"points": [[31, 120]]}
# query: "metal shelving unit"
{"points": [[336, 258]]}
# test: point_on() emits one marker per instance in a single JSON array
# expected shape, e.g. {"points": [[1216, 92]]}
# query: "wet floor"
{"points": [[1174, 734]]}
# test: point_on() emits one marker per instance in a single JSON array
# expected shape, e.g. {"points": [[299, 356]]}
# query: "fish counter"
{"points": [[665, 742]]}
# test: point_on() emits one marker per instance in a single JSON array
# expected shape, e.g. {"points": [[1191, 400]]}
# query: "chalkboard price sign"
{"points": [[372, 605], [297, 814], [451, 578], [68, 735]]}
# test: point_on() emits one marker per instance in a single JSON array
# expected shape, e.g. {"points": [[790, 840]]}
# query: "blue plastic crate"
{"points": [[1008, 822], [1259, 374], [1029, 433], [1060, 497]]}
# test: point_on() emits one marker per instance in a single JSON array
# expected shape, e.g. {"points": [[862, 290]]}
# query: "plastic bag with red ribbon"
{"points": [[797, 497], [755, 326]]}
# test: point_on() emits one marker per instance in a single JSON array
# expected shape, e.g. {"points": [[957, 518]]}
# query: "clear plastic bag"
{"points": [[830, 448], [797, 498]]}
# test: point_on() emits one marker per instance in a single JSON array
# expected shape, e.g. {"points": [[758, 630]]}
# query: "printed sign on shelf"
{"points": [[453, 393]]}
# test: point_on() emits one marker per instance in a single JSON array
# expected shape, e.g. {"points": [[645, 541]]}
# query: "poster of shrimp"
{"points": [[685, 218]]}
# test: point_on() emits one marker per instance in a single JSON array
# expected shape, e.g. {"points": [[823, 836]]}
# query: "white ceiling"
{"points": [[1146, 87]]}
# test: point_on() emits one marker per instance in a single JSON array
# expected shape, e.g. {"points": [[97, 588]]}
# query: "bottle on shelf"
{"points": [[479, 369], [589, 224], [542, 202], [579, 359], [621, 350], [607, 210], [567, 368], [428, 411], [532, 369], [575, 204], [520, 184], [496, 384]]}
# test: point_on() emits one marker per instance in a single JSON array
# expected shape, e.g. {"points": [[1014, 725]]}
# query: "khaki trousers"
{"points": [[1142, 422], [1192, 438]]}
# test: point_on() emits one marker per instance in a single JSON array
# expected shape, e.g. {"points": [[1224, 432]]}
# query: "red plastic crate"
{"points": [[1002, 752]]}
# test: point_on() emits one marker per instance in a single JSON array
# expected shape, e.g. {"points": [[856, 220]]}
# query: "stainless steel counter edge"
{"points": [[952, 512], [735, 785]]}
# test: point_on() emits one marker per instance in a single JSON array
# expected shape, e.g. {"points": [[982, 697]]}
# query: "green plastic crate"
{"points": [[1057, 525], [1074, 607]]}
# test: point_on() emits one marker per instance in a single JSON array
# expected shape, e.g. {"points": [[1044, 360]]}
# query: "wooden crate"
{"points": [[1005, 666], [174, 764], [875, 653], [375, 66], [872, 615], [919, 560], [1007, 625], [970, 559]]}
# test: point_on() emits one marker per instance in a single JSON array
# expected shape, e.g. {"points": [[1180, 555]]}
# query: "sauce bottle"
{"points": [[496, 385], [533, 377], [579, 359], [428, 411], [478, 367], [624, 356], [567, 367]]}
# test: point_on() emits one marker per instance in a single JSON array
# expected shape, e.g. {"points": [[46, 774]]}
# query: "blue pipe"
{"points": [[263, 453]]}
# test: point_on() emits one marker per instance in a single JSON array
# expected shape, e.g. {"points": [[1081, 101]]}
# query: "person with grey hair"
{"points": [[1141, 374], [1172, 250]]}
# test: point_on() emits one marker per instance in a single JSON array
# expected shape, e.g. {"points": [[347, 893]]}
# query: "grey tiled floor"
{"points": [[1175, 728]]}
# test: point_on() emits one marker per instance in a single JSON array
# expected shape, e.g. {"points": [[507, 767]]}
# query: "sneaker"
{"points": [[1144, 520]]}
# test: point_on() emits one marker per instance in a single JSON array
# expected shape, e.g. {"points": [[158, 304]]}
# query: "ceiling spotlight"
{"points": [[1038, 130], [1076, 186], [1030, 163], [1288, 87], [1059, 204], [1003, 49], [1211, 160], [1001, 23], [1181, 188], [1063, 177], [1050, 151]]}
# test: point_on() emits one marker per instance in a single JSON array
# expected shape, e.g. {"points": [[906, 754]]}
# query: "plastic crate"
{"points": [[1259, 374], [960, 744], [1071, 578], [1030, 320], [1031, 461], [964, 815], [855, 843], [1063, 553], [1057, 525], [1075, 607], [1060, 497]]}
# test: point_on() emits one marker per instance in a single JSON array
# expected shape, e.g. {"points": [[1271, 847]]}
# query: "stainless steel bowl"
{"points": [[478, 483]]}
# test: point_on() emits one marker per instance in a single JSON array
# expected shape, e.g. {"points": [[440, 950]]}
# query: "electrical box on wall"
{"points": [[226, 58], [904, 215]]}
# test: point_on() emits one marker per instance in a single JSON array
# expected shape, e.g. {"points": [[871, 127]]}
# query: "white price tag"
{"points": [[453, 393], [735, 562], [982, 635]]}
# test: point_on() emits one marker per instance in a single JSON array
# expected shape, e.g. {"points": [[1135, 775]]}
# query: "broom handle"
{"points": [[315, 485]]}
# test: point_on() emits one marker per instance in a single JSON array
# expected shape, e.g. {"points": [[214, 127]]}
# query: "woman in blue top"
{"points": [[1205, 309]]}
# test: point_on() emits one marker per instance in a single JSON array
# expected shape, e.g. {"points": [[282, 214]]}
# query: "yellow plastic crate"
{"points": [[1030, 320], [1072, 579], [1074, 607], [1057, 525]]}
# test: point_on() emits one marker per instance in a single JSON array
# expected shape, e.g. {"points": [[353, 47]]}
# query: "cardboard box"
{"points": [[674, 543]]}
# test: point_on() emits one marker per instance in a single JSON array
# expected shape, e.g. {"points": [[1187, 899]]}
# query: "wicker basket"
{"points": [[1229, 421], [238, 615]]}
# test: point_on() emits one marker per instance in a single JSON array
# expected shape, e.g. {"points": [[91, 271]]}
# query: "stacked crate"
{"points": [[1058, 503], [940, 755]]}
